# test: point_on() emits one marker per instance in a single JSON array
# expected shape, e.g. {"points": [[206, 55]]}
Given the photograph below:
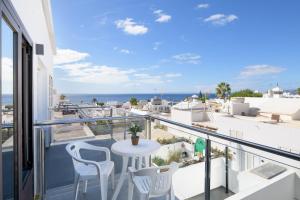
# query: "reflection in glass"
{"points": [[7, 109]]}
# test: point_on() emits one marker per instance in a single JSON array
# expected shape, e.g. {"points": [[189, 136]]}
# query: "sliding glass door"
{"points": [[8, 109], [16, 148]]}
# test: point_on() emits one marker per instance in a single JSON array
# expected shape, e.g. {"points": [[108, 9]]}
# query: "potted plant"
{"points": [[134, 130]]}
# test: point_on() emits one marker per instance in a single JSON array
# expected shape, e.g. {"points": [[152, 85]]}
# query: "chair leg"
{"points": [[103, 187], [172, 195], [76, 186], [85, 186], [144, 196], [130, 189], [113, 178], [168, 197]]}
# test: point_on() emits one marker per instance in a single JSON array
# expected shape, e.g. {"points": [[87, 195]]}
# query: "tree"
{"points": [[223, 90], [298, 91], [100, 104], [94, 100], [200, 95], [62, 97], [246, 93], [133, 101]]}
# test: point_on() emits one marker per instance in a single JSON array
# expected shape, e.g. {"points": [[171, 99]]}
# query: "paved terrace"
{"points": [[60, 174]]}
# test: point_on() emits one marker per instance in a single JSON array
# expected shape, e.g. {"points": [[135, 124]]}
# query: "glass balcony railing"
{"points": [[211, 165]]}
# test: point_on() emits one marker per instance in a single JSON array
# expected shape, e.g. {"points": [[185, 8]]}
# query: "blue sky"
{"points": [[133, 46]]}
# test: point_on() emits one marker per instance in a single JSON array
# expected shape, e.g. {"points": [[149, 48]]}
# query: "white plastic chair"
{"points": [[154, 181], [86, 170]]}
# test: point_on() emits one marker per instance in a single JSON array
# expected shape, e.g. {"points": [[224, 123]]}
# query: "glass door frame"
{"points": [[21, 187]]}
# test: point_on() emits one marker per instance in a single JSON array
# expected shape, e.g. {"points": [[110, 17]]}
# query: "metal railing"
{"points": [[40, 144]]}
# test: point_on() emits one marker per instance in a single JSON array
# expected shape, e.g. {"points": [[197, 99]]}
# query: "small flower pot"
{"points": [[135, 140]]}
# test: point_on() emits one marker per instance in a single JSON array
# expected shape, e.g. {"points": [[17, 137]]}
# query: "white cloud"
{"points": [[161, 17], [125, 51], [89, 73], [7, 69], [221, 19], [64, 56], [203, 5], [190, 58], [7, 75], [259, 70], [173, 75], [156, 45], [85, 72], [130, 27], [147, 79]]}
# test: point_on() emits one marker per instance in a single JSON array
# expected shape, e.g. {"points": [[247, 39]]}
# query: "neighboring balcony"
{"points": [[227, 168]]}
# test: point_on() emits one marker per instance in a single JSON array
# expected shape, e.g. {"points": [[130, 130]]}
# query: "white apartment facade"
{"points": [[29, 46]]}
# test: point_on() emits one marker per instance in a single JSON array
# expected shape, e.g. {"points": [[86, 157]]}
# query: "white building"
{"points": [[188, 112], [37, 20], [27, 29], [287, 108], [236, 106]]}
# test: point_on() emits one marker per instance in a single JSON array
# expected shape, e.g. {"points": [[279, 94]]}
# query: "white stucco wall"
{"points": [[189, 181], [239, 108], [283, 106], [182, 116], [37, 20], [188, 116], [278, 188]]}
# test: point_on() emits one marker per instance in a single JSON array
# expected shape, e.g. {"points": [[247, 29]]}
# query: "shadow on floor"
{"points": [[215, 194]]}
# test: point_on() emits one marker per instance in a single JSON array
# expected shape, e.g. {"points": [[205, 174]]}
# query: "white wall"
{"points": [[182, 116], [284, 106], [239, 108], [189, 181], [37, 19], [278, 188]]}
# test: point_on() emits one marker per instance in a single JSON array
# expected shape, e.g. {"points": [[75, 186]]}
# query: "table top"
{"points": [[144, 148]]}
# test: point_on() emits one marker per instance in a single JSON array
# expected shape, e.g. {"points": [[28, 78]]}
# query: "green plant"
{"points": [[100, 104], [134, 129], [219, 153], [101, 122], [162, 127], [9, 107], [159, 161], [167, 140], [246, 93], [37, 197], [298, 91], [200, 95], [173, 140], [174, 156], [223, 90], [62, 97], [133, 101]]}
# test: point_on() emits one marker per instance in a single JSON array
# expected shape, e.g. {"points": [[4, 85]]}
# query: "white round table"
{"points": [[125, 149]]}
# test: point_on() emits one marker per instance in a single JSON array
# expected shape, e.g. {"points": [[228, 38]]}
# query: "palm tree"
{"points": [[223, 90], [298, 91], [133, 101]]}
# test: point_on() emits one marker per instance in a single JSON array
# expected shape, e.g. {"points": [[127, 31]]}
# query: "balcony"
{"points": [[229, 169]]}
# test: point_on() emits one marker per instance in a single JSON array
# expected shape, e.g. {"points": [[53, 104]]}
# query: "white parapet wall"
{"points": [[282, 187], [283, 106], [189, 181]]}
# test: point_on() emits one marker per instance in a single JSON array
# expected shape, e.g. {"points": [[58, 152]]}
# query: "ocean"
{"points": [[87, 98]]}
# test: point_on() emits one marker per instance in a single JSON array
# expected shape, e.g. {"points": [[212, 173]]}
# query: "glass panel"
{"points": [[7, 109]]}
